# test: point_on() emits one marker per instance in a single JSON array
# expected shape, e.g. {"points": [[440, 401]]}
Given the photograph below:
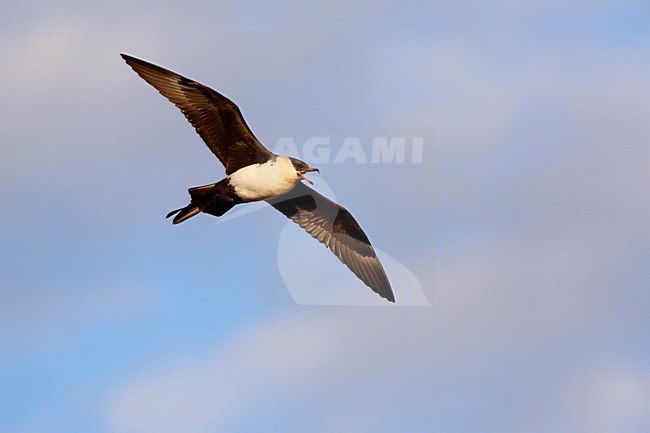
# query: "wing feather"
{"points": [[332, 225], [216, 118]]}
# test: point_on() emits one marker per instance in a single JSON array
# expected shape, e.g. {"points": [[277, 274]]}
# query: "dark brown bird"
{"points": [[254, 173]]}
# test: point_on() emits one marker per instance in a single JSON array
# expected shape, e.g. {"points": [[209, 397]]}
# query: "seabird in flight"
{"points": [[254, 173]]}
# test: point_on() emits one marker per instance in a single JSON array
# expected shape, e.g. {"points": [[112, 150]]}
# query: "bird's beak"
{"points": [[303, 176]]}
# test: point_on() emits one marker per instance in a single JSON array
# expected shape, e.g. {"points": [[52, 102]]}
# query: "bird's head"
{"points": [[302, 168]]}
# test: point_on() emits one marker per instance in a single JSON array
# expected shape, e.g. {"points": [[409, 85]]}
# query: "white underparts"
{"points": [[261, 181]]}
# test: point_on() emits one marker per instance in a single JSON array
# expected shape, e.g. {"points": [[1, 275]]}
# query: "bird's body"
{"points": [[254, 174], [254, 182]]}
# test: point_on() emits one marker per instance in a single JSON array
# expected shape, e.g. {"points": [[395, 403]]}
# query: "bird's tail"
{"points": [[184, 213], [198, 195], [214, 199]]}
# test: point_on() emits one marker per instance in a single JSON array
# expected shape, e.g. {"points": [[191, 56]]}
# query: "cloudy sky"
{"points": [[519, 245]]}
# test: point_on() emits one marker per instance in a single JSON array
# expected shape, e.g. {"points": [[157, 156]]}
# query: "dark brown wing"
{"points": [[335, 227], [216, 118]]}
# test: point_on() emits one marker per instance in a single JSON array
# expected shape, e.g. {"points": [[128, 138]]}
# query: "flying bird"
{"points": [[254, 173]]}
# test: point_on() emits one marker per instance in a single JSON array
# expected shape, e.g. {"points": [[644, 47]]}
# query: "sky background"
{"points": [[527, 224]]}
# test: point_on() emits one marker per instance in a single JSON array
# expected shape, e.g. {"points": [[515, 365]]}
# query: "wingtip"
{"points": [[129, 59], [383, 287], [386, 292]]}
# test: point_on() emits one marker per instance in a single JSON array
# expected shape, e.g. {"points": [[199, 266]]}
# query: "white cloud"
{"points": [[613, 399], [493, 305]]}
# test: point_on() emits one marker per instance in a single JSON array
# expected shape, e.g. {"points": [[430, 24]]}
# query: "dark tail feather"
{"points": [[174, 212], [215, 199], [184, 213], [218, 208]]}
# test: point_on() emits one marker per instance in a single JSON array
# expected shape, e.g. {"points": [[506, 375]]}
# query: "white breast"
{"points": [[261, 181]]}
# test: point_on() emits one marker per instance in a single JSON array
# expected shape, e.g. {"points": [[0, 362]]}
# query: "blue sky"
{"points": [[526, 224]]}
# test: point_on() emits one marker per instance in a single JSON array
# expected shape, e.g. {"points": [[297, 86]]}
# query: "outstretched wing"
{"points": [[216, 118], [336, 228]]}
